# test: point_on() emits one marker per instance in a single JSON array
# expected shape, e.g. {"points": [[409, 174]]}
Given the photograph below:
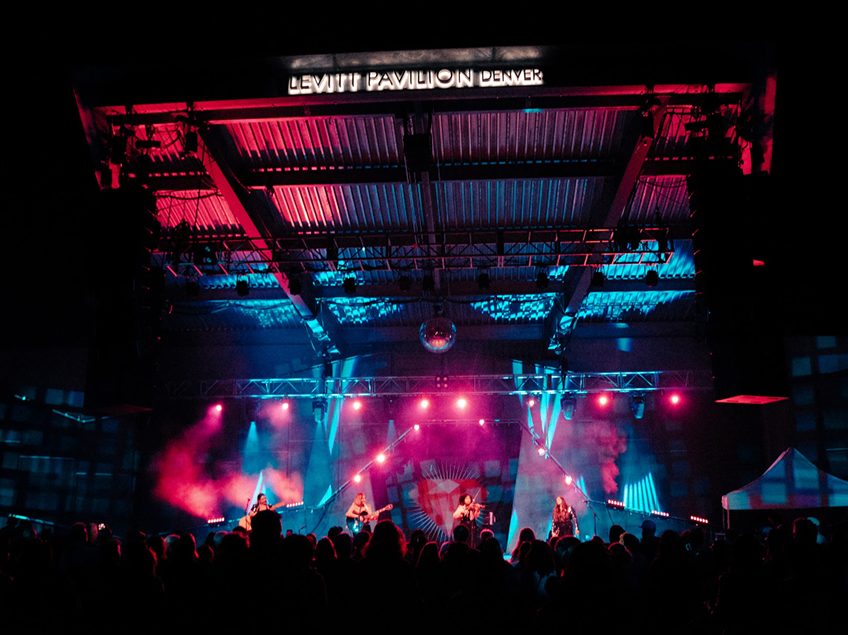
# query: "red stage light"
{"points": [[218, 407], [482, 422], [541, 451], [357, 404], [674, 399], [424, 403], [568, 479], [284, 405], [462, 403], [416, 427], [357, 478], [381, 458], [531, 402], [604, 400]]}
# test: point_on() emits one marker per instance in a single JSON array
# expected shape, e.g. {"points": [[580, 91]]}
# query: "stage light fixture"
{"points": [[423, 403], [357, 404], [541, 451], [568, 404], [531, 402], [603, 400], [357, 478], [652, 278], [319, 408], [563, 365], [462, 403], [542, 280], [482, 422], [598, 280], [205, 255], [332, 251], [118, 148], [428, 282], [349, 285], [295, 284], [675, 399], [483, 281], [568, 479], [242, 287], [637, 405], [416, 427], [190, 142], [380, 458], [284, 405]]}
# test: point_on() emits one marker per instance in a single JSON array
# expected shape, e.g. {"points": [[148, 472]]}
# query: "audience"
{"points": [[84, 578]]}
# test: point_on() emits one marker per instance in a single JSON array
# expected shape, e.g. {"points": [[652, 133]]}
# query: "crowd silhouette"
{"points": [[84, 579]]}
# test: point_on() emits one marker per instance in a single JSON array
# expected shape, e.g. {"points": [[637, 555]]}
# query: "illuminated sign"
{"points": [[413, 80]]}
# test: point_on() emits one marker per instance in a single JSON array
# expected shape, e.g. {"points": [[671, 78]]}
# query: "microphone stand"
{"points": [[589, 506]]}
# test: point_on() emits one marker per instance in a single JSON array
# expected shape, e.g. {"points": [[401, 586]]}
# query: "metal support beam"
{"points": [[470, 289], [506, 384], [460, 249], [177, 179], [236, 198], [225, 112], [561, 321]]}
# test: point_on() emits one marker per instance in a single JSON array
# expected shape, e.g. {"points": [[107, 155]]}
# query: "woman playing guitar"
{"points": [[563, 520], [260, 505], [357, 514]]}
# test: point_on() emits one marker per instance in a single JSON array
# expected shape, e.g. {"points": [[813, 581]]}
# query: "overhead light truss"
{"points": [[308, 252], [551, 384]]}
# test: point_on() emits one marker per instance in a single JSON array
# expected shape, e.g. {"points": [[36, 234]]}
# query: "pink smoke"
{"points": [[609, 444], [286, 489], [181, 482]]}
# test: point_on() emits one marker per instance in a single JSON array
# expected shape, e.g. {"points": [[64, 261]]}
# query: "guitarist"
{"points": [[260, 505], [358, 512]]}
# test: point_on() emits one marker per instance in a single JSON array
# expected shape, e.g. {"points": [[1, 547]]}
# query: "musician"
{"points": [[564, 520], [358, 513], [260, 505], [466, 514]]}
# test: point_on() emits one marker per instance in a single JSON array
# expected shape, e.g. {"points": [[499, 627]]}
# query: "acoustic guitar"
{"points": [[244, 521], [356, 524]]}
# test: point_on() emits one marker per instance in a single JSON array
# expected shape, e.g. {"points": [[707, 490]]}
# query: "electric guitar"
{"points": [[356, 524]]}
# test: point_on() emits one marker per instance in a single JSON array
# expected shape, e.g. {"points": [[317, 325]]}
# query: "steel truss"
{"points": [[574, 384], [407, 251]]}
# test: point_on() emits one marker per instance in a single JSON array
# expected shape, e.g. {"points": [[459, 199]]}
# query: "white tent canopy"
{"points": [[791, 482]]}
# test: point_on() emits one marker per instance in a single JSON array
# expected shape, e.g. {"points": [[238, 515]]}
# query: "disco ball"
{"points": [[438, 334]]}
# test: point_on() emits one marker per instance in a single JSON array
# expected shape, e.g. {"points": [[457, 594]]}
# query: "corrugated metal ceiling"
{"points": [[528, 135], [205, 211]]}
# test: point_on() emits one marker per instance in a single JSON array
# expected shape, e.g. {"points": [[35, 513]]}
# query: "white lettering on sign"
{"points": [[443, 78]]}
